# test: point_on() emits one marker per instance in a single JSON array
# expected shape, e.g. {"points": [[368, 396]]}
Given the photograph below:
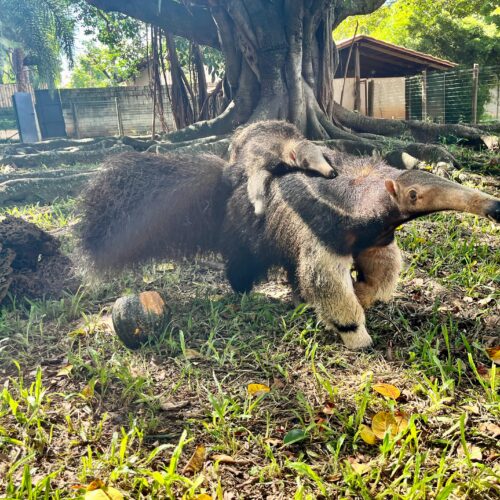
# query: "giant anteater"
{"points": [[141, 206]]}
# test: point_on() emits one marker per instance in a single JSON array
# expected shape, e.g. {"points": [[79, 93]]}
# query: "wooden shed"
{"points": [[376, 71]]}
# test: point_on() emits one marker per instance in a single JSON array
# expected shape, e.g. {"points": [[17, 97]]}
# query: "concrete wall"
{"points": [[388, 96], [99, 111]]}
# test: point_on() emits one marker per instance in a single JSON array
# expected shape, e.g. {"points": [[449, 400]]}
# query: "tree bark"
{"points": [[181, 105], [280, 61], [20, 72]]}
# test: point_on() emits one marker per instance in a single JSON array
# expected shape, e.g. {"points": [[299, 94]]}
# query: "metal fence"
{"points": [[7, 90], [113, 116], [469, 95], [8, 125]]}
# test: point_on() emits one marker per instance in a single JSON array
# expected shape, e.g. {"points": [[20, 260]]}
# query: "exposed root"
{"points": [[222, 125], [419, 130]]}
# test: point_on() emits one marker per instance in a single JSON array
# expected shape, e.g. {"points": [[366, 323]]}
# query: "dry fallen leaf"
{"points": [[273, 441], [169, 406], [226, 459], [360, 468], [88, 391], [166, 266], [490, 428], [96, 484], [203, 496], [192, 354], [64, 371], [367, 435], [494, 354], [388, 390], [474, 452], [108, 493], [257, 389], [196, 461], [97, 490], [384, 421], [328, 408], [487, 373]]}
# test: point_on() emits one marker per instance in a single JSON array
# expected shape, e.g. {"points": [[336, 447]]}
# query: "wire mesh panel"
{"points": [[489, 94], [462, 95]]}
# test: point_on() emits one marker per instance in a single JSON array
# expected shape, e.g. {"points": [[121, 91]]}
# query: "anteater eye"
{"points": [[413, 195], [305, 164]]}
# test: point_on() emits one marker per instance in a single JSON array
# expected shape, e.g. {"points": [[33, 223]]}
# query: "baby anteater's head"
{"points": [[309, 156]]}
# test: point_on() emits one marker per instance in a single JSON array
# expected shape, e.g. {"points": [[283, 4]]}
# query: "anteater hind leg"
{"points": [[326, 283], [379, 269]]}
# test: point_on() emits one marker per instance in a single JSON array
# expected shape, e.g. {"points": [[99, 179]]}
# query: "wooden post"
{"points": [[371, 94], [357, 80], [424, 94], [119, 117], [408, 97], [75, 119], [347, 64], [444, 97], [475, 86], [498, 96]]}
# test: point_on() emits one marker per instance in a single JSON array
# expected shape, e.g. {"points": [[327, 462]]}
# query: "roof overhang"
{"points": [[383, 59]]}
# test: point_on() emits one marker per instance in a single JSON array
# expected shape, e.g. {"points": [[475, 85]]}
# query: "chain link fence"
{"points": [[463, 95]]}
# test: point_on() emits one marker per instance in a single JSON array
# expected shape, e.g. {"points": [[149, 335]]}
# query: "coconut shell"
{"points": [[136, 318]]}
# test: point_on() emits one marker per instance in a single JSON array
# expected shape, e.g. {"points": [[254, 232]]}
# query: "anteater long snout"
{"points": [[463, 199], [436, 194]]}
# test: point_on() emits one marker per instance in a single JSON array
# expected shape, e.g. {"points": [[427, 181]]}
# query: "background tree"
{"points": [[102, 66], [465, 32], [280, 59], [38, 33], [122, 47]]}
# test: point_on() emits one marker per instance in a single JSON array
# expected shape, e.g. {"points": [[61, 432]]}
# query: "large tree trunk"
{"points": [[280, 61]]}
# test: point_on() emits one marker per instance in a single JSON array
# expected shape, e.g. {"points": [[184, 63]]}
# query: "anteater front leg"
{"points": [[379, 269], [326, 283]]}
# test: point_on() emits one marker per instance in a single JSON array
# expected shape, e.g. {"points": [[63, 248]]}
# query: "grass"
{"points": [[76, 405]]}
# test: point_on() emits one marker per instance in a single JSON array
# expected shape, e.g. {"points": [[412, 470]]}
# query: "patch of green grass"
{"points": [[52, 217], [76, 405]]}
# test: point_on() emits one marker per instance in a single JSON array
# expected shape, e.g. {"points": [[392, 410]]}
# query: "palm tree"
{"points": [[36, 33]]}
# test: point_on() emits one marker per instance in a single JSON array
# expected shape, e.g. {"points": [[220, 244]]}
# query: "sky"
{"points": [[80, 39]]}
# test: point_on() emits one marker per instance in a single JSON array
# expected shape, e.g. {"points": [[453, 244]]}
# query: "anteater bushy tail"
{"points": [[143, 206]]}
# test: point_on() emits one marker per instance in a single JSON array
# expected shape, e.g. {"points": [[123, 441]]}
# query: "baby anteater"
{"points": [[264, 146]]}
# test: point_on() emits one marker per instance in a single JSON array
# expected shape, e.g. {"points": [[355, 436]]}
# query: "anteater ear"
{"points": [[391, 187], [293, 156]]}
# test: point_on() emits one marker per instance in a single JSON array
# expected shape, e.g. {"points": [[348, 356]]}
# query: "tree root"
{"points": [[418, 130], [42, 189], [55, 158], [222, 125]]}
